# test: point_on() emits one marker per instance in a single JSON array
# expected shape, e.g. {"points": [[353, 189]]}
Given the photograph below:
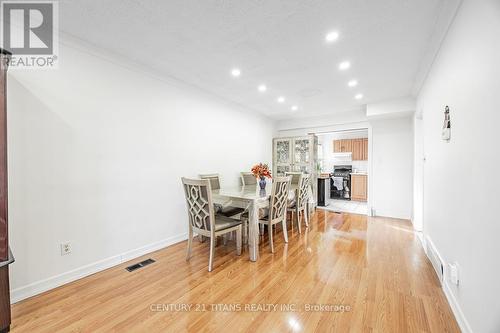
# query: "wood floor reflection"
{"points": [[345, 273]]}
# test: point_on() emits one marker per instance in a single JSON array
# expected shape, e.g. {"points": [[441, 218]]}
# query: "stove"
{"points": [[340, 182]]}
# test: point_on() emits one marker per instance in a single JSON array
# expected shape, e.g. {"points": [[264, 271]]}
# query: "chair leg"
{"points": [[245, 231], [190, 243], [261, 227], [238, 241], [306, 217], [297, 213], [270, 237], [212, 254], [285, 232], [224, 239]]}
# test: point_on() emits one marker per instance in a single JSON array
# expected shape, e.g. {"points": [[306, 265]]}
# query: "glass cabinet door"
{"points": [[282, 156], [294, 154], [302, 154]]}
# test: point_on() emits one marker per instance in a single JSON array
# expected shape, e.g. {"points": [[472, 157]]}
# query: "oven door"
{"points": [[334, 193]]}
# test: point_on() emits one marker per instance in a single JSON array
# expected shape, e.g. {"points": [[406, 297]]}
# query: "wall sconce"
{"points": [[446, 132]]}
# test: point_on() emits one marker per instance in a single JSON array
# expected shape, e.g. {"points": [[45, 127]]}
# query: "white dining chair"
{"points": [[203, 220], [295, 176], [248, 178], [214, 179], [221, 208], [299, 206], [277, 208]]}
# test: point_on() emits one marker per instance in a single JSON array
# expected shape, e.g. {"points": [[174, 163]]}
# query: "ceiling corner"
{"points": [[444, 19]]}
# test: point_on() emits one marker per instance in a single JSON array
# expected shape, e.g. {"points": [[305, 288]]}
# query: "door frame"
{"points": [[418, 174], [358, 127]]}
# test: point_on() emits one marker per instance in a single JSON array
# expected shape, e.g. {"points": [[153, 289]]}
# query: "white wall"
{"points": [[461, 187], [96, 153], [392, 167], [355, 119], [401, 107]]}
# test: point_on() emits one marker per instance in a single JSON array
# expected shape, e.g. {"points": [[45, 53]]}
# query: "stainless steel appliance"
{"points": [[323, 190], [340, 182]]}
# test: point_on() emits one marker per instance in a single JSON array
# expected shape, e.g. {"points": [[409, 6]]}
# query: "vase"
{"points": [[262, 183]]}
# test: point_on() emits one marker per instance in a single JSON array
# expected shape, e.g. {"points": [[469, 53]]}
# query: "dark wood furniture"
{"points": [[6, 257]]}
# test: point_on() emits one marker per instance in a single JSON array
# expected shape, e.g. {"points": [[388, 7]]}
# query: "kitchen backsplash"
{"points": [[328, 164], [360, 166]]}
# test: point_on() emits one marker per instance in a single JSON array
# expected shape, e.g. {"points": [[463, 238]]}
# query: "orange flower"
{"points": [[261, 170]]}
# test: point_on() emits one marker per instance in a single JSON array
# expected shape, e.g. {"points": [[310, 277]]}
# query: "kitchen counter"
{"points": [[360, 173]]}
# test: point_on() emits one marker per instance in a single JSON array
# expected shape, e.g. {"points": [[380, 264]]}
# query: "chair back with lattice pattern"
{"points": [[303, 190], [295, 176], [214, 180], [199, 203], [279, 198], [247, 178]]}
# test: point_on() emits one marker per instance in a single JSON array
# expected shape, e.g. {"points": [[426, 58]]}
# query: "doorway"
{"points": [[343, 157]]}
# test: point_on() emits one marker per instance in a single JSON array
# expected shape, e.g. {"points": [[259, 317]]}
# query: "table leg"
{"points": [[253, 231]]}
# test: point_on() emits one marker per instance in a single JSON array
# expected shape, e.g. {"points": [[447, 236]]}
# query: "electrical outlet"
{"points": [[454, 273], [65, 248]]}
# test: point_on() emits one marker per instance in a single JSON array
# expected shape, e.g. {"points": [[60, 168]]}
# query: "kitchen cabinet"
{"points": [[358, 148], [337, 146], [346, 145], [359, 187], [364, 153], [342, 146]]}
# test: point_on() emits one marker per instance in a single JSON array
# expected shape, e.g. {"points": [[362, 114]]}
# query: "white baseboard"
{"points": [[436, 260], [41, 286], [457, 310], [455, 306]]}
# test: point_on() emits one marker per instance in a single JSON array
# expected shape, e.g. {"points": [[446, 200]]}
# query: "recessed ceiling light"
{"points": [[281, 99], [352, 83], [262, 88], [294, 108], [235, 72], [344, 65], [332, 36], [359, 96]]}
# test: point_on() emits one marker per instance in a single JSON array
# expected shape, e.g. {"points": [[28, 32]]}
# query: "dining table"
{"points": [[251, 198]]}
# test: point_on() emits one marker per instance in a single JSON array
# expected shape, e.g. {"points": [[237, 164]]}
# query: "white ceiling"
{"points": [[279, 43]]}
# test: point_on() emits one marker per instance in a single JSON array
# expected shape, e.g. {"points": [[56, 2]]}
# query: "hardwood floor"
{"points": [[374, 267]]}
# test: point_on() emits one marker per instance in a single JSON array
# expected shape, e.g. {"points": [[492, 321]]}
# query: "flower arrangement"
{"points": [[261, 171]]}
